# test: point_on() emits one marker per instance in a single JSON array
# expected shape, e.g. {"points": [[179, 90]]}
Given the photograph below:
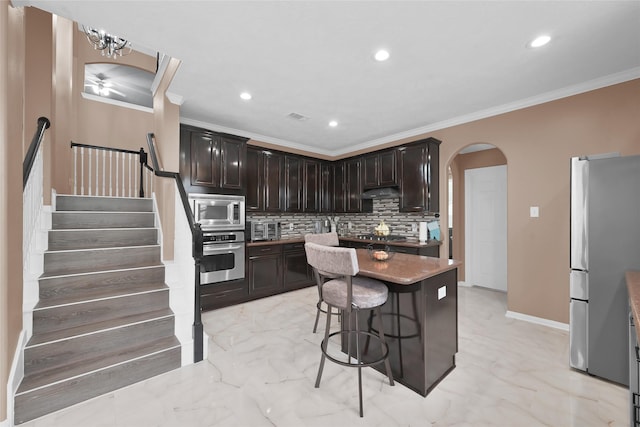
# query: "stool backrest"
{"points": [[326, 239], [333, 260]]}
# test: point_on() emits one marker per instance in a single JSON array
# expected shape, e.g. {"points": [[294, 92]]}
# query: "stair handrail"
{"points": [[196, 245], [27, 164], [141, 153]]}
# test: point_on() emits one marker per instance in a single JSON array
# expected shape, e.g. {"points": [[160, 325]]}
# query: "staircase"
{"points": [[103, 319]]}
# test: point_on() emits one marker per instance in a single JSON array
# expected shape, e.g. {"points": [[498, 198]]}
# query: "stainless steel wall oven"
{"points": [[223, 256], [222, 219]]}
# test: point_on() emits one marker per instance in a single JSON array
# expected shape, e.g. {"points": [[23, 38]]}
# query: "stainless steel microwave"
{"points": [[218, 211]]}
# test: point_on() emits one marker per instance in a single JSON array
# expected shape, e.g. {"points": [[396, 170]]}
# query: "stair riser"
{"points": [[32, 405], [73, 315], [90, 239], [76, 286], [95, 260], [87, 203], [73, 220], [75, 351]]}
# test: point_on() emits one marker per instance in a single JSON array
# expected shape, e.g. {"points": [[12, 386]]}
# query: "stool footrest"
{"points": [[357, 363]]}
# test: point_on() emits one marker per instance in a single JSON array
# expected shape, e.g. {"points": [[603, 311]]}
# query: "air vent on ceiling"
{"points": [[298, 117]]}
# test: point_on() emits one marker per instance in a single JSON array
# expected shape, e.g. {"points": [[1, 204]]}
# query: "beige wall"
{"points": [[538, 143], [459, 164], [12, 63]]}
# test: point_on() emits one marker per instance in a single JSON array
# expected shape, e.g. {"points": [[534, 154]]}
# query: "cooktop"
{"points": [[389, 238]]}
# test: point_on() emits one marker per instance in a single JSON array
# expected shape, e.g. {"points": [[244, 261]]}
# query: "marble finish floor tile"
{"points": [[263, 361]]}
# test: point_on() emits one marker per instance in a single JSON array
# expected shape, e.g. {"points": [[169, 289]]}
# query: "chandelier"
{"points": [[110, 46]]}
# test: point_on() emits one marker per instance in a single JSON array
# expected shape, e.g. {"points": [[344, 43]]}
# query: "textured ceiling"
{"points": [[451, 61]]}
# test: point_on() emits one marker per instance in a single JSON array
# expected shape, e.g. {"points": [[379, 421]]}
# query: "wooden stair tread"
{"points": [[97, 362], [54, 275], [98, 293], [89, 328]]}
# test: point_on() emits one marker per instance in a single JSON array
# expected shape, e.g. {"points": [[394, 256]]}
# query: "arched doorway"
{"points": [[477, 215]]}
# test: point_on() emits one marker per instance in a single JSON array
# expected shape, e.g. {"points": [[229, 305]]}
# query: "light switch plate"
{"points": [[534, 212]]}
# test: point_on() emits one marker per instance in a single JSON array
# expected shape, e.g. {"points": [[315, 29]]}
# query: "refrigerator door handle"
{"points": [[578, 334], [579, 214]]}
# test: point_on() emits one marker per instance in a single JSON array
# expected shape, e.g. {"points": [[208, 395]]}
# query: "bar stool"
{"points": [[349, 294], [326, 239]]}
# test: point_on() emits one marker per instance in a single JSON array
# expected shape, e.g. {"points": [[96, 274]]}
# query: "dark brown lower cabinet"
{"points": [[297, 273], [264, 270], [218, 295]]}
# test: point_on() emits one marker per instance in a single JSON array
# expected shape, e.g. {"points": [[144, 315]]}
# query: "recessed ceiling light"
{"points": [[381, 55], [245, 95], [333, 123], [540, 41]]}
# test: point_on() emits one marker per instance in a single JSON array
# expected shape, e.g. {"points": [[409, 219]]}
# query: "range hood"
{"points": [[381, 193]]}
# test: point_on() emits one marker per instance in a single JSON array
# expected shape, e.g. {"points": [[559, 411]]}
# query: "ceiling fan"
{"points": [[101, 86]]}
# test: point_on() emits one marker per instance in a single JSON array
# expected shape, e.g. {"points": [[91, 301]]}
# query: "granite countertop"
{"points": [[410, 242], [633, 286], [404, 269]]}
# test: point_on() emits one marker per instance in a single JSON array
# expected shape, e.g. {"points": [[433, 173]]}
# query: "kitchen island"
{"points": [[420, 317]]}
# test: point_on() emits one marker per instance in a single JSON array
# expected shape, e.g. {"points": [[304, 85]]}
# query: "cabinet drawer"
{"points": [[264, 250], [404, 250], [294, 247]]}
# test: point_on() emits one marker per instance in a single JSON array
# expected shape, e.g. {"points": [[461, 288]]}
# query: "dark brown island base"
{"points": [[420, 317]]}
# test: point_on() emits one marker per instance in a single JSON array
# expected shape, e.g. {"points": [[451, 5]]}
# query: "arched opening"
{"points": [[477, 215]]}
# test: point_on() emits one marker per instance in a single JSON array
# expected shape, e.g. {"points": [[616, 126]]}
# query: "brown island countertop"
{"points": [[633, 287], [409, 243], [404, 269]]}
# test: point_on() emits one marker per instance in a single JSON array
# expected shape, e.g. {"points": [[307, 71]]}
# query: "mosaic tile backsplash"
{"points": [[400, 223]]}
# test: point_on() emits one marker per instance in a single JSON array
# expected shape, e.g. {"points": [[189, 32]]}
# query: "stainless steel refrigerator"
{"points": [[605, 242]]}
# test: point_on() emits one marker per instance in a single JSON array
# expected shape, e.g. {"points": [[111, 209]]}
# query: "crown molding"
{"points": [[564, 92]]}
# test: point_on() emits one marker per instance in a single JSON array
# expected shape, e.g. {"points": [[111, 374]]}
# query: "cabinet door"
{"points": [[272, 182], [232, 164], [353, 186], [339, 181], [326, 187], [205, 159], [311, 186], [370, 172], [433, 176], [297, 272], [387, 168], [255, 189], [413, 166], [293, 184], [264, 274]]}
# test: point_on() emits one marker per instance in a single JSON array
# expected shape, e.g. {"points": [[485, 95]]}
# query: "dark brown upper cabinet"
{"points": [[311, 186], [293, 183], [353, 187], [380, 170], [418, 173], [264, 180], [212, 161], [326, 187], [339, 183]]}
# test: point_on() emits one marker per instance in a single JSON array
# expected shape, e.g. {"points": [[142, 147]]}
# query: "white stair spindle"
{"points": [[82, 171], [117, 173], [89, 150], [130, 158], [110, 173], [75, 171], [104, 156]]}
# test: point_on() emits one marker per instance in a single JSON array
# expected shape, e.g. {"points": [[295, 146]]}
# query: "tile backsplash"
{"points": [[400, 223]]}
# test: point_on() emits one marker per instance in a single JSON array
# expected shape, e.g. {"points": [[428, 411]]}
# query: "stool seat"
{"points": [[366, 293]]}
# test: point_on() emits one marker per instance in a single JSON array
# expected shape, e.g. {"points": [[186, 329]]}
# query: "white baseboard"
{"points": [[538, 320], [16, 374], [465, 284], [5, 423]]}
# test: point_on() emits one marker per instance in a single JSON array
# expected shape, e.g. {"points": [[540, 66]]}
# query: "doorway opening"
{"points": [[477, 215]]}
